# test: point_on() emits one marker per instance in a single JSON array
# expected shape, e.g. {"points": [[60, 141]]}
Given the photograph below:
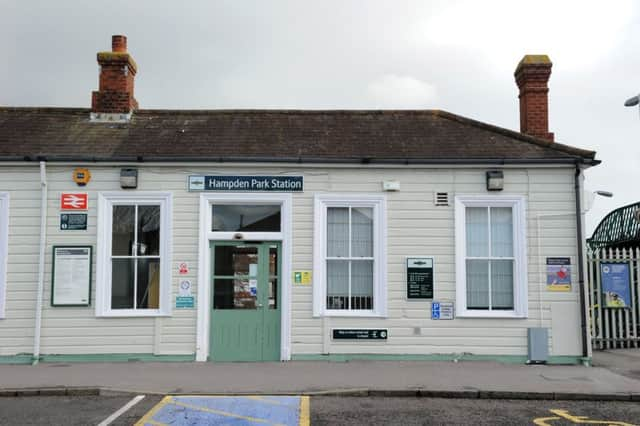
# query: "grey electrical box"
{"points": [[538, 345]]}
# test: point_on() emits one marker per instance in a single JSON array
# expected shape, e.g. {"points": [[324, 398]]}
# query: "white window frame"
{"points": [[106, 201], [378, 203], [520, 287], [4, 249]]}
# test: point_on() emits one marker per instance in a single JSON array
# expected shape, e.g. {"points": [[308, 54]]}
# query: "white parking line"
{"points": [[121, 411]]}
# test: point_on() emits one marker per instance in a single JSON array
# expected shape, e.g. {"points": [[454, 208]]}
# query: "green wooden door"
{"points": [[245, 317]]}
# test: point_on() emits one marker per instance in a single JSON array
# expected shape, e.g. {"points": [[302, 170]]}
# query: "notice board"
{"points": [[419, 278], [71, 280]]}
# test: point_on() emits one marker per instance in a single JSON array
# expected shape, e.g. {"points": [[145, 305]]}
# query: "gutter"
{"points": [[43, 242], [298, 160], [583, 307]]}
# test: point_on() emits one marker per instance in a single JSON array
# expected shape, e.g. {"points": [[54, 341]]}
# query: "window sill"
{"points": [[120, 313], [351, 314], [490, 314]]}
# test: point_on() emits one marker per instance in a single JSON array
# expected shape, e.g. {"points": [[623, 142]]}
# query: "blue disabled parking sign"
{"points": [[435, 310]]}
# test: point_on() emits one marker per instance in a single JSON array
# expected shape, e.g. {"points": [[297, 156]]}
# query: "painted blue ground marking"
{"points": [[241, 411]]}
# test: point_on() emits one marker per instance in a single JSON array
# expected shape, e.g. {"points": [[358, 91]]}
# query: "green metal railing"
{"points": [[620, 228]]}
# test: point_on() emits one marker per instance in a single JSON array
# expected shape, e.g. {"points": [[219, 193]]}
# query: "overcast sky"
{"points": [[458, 56]]}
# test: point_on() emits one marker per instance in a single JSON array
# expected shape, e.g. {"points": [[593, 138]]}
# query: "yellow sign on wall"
{"points": [[302, 277]]}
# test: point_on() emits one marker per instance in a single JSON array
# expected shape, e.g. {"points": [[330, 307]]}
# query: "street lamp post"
{"points": [[631, 102]]}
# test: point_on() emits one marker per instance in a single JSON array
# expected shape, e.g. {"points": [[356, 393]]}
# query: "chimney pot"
{"points": [[119, 43], [532, 77]]}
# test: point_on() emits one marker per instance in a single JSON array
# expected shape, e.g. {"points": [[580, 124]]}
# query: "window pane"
{"points": [[122, 271], [477, 284], [273, 261], [122, 230], [501, 231], [337, 284], [148, 291], [362, 284], [337, 232], [148, 230], [502, 284], [362, 232], [245, 218], [477, 232]]}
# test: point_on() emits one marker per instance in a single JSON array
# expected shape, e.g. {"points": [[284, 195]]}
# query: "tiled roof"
{"points": [[422, 136]]}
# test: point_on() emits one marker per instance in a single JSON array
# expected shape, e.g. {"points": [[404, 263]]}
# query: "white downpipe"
{"points": [[43, 242]]}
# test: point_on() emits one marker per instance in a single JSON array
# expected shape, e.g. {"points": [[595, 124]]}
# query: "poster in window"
{"points": [[615, 284], [558, 273], [71, 280]]}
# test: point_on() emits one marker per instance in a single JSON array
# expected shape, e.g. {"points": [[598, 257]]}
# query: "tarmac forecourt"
{"points": [[238, 410]]}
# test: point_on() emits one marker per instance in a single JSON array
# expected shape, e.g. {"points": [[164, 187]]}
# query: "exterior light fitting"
{"points": [[495, 180]]}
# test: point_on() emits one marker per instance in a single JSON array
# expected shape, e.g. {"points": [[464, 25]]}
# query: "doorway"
{"points": [[246, 301]]}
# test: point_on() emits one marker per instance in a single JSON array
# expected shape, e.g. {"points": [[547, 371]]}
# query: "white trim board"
{"points": [[204, 261]]}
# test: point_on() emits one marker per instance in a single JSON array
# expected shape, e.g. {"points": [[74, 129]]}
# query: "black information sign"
{"points": [[419, 278], [73, 221], [359, 334], [247, 183]]}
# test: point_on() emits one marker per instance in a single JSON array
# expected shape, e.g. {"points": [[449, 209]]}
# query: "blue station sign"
{"points": [[246, 183]]}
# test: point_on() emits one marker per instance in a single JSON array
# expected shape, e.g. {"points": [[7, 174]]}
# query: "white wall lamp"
{"points": [[128, 178], [495, 180], [590, 196]]}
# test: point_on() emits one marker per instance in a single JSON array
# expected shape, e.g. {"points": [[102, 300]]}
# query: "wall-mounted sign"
{"points": [[74, 201], [615, 284], [360, 334], [419, 278], [302, 277], [185, 298], [558, 274], [183, 268], [73, 222], [81, 176], [185, 302], [442, 310], [71, 276], [246, 183]]}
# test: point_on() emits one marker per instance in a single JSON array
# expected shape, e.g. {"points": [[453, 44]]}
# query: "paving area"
{"points": [[463, 412], [294, 410]]}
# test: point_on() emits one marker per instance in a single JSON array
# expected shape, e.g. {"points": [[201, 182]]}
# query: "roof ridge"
{"points": [[518, 135]]}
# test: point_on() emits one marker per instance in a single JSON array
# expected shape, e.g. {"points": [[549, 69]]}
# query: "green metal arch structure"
{"points": [[620, 228]]}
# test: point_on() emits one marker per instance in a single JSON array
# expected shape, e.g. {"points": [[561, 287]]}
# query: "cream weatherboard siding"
{"points": [[415, 226]]}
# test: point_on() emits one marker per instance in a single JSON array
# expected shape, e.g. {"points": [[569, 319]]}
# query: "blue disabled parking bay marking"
{"points": [[229, 410]]}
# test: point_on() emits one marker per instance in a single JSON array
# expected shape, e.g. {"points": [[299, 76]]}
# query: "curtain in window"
{"points": [[338, 232]]}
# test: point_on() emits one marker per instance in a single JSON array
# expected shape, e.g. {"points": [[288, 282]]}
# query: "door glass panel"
{"points": [[273, 293], [236, 260], [245, 218], [235, 293], [273, 261]]}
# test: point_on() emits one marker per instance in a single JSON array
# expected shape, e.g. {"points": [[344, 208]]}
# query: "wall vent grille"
{"points": [[441, 198]]}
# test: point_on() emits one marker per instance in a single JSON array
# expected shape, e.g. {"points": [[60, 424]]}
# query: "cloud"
{"points": [[400, 91], [580, 32]]}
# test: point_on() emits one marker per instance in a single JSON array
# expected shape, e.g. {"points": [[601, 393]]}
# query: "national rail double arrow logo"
{"points": [[74, 201]]}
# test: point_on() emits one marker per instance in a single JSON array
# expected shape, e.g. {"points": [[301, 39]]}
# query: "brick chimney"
{"points": [[532, 75], [114, 99]]}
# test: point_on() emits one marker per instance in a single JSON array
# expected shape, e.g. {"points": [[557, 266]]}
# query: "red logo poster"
{"points": [[74, 201]]}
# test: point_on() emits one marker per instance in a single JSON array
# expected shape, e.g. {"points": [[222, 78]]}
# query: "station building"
{"points": [[275, 235]]}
